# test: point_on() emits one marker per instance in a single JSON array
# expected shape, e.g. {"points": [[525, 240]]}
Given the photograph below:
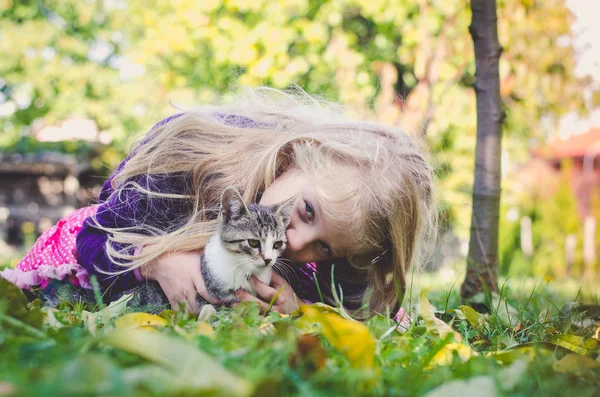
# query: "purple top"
{"points": [[136, 208]]}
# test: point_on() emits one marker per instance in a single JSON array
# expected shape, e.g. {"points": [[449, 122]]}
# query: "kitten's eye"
{"points": [[254, 243], [310, 212], [277, 244]]}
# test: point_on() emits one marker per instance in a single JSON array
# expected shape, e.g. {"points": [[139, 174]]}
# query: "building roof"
{"points": [[575, 146]]}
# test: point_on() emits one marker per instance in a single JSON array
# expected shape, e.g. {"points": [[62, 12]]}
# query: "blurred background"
{"points": [[81, 79]]}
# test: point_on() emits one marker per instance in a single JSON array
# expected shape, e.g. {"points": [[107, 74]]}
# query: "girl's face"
{"points": [[310, 237]]}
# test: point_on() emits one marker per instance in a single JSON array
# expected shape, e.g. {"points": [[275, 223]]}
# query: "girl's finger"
{"points": [[191, 305], [278, 281], [245, 296], [201, 289], [262, 289]]}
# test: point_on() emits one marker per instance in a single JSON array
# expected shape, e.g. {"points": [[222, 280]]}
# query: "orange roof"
{"points": [[575, 146]]}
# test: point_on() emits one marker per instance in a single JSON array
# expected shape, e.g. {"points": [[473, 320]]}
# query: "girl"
{"points": [[364, 203]]}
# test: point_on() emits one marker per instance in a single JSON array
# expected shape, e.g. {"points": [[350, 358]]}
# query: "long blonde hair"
{"points": [[372, 181]]}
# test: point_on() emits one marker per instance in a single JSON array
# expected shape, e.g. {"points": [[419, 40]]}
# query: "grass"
{"points": [[534, 341]]}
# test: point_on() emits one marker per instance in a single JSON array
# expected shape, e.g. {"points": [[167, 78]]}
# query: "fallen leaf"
{"points": [[350, 337], [446, 354], [518, 328], [527, 352], [323, 308], [476, 320], [138, 320], [309, 354], [204, 328], [435, 326], [575, 364], [576, 344]]}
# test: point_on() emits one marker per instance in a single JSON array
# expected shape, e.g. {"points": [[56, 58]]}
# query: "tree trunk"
{"points": [[482, 260]]}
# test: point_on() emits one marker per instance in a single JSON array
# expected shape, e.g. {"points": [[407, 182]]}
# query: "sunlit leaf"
{"points": [[348, 336], [576, 344], [137, 320], [324, 308], [435, 326], [476, 320], [204, 328], [526, 352], [446, 354]]}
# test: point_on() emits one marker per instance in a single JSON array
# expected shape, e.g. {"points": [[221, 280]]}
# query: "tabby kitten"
{"points": [[248, 242]]}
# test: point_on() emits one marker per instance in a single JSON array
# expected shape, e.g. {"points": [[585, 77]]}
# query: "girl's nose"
{"points": [[298, 239]]}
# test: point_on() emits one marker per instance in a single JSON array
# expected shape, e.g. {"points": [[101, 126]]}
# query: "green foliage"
{"points": [[122, 63], [553, 219], [241, 352]]}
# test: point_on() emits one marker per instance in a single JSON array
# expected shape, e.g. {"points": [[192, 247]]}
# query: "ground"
{"points": [[536, 340]]}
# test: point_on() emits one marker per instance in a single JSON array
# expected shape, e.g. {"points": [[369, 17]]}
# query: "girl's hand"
{"points": [[180, 278], [286, 301]]}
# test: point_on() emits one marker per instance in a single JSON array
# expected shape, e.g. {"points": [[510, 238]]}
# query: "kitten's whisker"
{"points": [[287, 270]]}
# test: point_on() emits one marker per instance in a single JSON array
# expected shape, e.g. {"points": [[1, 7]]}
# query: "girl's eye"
{"points": [[277, 244], [309, 210], [254, 243], [325, 248]]}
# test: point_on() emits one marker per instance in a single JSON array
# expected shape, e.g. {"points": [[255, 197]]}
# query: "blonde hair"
{"points": [[372, 181]]}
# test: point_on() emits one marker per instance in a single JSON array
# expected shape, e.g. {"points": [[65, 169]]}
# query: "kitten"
{"points": [[248, 242]]}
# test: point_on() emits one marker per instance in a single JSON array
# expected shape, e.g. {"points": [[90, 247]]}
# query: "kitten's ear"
{"points": [[285, 209], [232, 205]]}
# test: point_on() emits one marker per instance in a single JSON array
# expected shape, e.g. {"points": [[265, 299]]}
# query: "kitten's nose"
{"points": [[267, 261]]}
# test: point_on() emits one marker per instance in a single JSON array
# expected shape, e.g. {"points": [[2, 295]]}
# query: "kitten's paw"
{"points": [[207, 313]]}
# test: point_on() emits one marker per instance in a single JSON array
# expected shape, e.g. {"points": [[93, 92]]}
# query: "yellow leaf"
{"points": [[575, 364], [350, 337], [444, 356], [139, 320], [204, 328], [435, 326], [509, 356], [476, 320], [576, 344]]}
